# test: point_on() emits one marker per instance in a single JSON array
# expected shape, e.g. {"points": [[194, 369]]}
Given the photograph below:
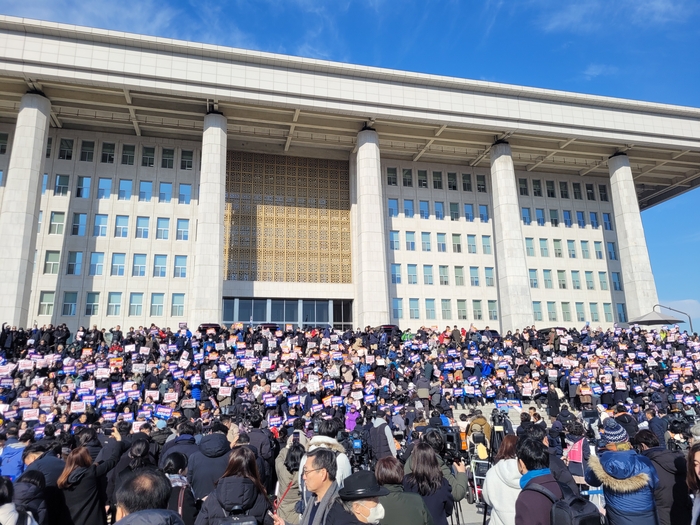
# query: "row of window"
{"points": [[443, 275], [52, 263], [439, 210], [526, 215], [571, 249], [562, 281], [552, 314], [124, 192], [427, 243], [452, 180], [100, 226], [550, 189], [430, 313], [128, 154], [114, 304]]}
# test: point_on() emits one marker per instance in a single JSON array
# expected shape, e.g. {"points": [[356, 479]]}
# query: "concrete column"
{"points": [[369, 271], [207, 285], [514, 299], [637, 277], [20, 208]]}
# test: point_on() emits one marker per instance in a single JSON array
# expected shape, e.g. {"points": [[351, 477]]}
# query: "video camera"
{"points": [[455, 449], [357, 451]]}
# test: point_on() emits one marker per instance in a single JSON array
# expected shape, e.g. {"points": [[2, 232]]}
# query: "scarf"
{"points": [[323, 507], [533, 474]]}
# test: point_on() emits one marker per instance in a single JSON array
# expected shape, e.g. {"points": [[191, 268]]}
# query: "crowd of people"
{"points": [[279, 425]]}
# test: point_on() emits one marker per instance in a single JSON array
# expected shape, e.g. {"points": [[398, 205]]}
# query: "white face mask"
{"points": [[376, 514]]}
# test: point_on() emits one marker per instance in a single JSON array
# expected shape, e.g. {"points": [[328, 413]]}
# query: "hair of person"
{"points": [[175, 462], [650, 412], [425, 469], [86, 435], [679, 427], [565, 407], [389, 471], [329, 428], [34, 448], [149, 489], [691, 477], [139, 454], [525, 417], [293, 460], [241, 463], [243, 439], [123, 427], [536, 432], [533, 453], [575, 428], [27, 435], [435, 439], [256, 419], [217, 426], [507, 448], [185, 428], [49, 430], [80, 457], [298, 424], [12, 431], [646, 437], [323, 458], [33, 477], [146, 427], [620, 409], [6, 491]]}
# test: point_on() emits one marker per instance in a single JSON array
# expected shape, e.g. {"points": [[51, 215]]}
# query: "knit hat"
{"points": [[613, 432]]}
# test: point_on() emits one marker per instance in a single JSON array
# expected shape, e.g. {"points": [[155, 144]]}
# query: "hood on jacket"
{"points": [[325, 442], [621, 472], [236, 491], [215, 445], [151, 517], [77, 475], [507, 472], [25, 492], [671, 462], [186, 439]]}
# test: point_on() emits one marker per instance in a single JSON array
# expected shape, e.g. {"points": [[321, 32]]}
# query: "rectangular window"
{"points": [[160, 265], [168, 159], [61, 187], [114, 303], [411, 241], [413, 309], [489, 279], [87, 151], [395, 274], [577, 191], [621, 313], [46, 303], [128, 153], [408, 208], [138, 268], [594, 220], [539, 213], [44, 183], [104, 188], [486, 244], [554, 217], [163, 228], [439, 211], [561, 278], [135, 303], [580, 219], [580, 314], [558, 252], [443, 275], [184, 195], [48, 147], [457, 242], [178, 305], [425, 241], [393, 240], [437, 180], [430, 308], [100, 229], [469, 212], [481, 183], [107, 153], [533, 278], [547, 278], [598, 247], [551, 192], [603, 280], [590, 192], [476, 307], [607, 311], [165, 192], [493, 310], [571, 248], [537, 310], [412, 273], [617, 281], [422, 183], [446, 307], [471, 243], [118, 262], [529, 246], [590, 284], [551, 310], [575, 279], [459, 275], [607, 221], [125, 188], [564, 191], [142, 227], [466, 182], [148, 156], [461, 309], [612, 251], [145, 191], [407, 178], [452, 181], [428, 274], [603, 192], [568, 222], [595, 318], [391, 177], [121, 226], [3, 143], [97, 261], [474, 275], [397, 308], [566, 312], [79, 224], [393, 207], [454, 211], [537, 188], [585, 250], [183, 229], [527, 217], [157, 300], [180, 266], [544, 248], [70, 304], [75, 263], [186, 158], [51, 262], [483, 212], [523, 187], [424, 208], [58, 219], [65, 149]]}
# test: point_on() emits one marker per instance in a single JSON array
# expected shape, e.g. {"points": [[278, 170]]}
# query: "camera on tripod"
{"points": [[455, 448]]}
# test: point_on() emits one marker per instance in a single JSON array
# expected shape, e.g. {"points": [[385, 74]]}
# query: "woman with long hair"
{"points": [[182, 498], [29, 494], [80, 483], [400, 507], [288, 481], [138, 458], [502, 483], [238, 491], [427, 479]]}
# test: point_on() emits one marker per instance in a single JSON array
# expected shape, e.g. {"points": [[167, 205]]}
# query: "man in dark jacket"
{"points": [[41, 457], [673, 505], [533, 507], [184, 442], [658, 426], [626, 421], [144, 499], [207, 465]]}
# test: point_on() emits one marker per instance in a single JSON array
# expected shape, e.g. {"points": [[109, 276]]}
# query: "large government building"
{"points": [[149, 180]]}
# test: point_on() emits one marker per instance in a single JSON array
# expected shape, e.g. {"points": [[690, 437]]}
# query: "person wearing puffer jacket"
{"points": [[327, 430], [502, 484], [628, 479], [9, 514], [209, 463]]}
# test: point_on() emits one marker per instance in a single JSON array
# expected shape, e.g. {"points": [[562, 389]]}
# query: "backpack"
{"points": [[570, 509], [237, 517]]}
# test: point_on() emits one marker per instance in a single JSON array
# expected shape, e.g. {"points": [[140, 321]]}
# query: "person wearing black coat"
{"points": [[29, 495], [184, 443], [208, 464], [553, 402], [658, 426], [182, 500], [39, 458]]}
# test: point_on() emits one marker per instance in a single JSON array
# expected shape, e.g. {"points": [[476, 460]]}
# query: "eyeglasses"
{"points": [[305, 472]]}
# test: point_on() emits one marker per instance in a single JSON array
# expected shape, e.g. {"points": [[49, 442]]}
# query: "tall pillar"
{"points": [[208, 283], [638, 279], [369, 271], [514, 299], [20, 205]]}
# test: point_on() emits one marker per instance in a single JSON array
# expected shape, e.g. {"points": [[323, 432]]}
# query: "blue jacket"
{"points": [[11, 464]]}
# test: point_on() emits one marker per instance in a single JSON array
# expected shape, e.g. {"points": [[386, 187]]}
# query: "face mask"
{"points": [[376, 514]]}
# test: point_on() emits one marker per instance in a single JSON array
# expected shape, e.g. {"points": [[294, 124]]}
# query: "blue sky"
{"points": [[638, 49]]}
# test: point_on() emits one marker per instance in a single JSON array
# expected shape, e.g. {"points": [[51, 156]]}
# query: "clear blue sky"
{"points": [[638, 49]]}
